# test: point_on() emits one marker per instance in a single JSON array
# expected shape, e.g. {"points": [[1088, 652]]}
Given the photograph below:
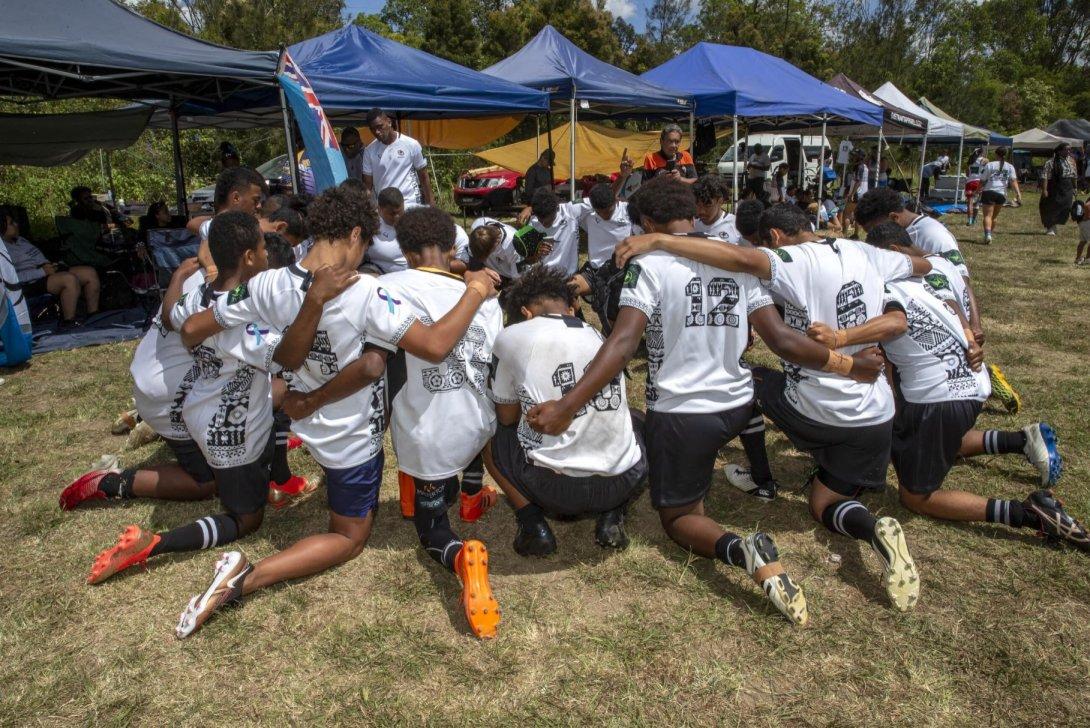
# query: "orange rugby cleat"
{"points": [[132, 547], [472, 507], [482, 609]]}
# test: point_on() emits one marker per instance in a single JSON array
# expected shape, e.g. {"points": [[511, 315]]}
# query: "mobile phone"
{"points": [[671, 165]]}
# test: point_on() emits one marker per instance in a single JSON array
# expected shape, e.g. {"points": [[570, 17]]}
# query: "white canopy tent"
{"points": [[1039, 140], [938, 128]]}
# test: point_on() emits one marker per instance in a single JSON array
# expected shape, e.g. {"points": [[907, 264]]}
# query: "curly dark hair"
{"points": [[748, 218], [709, 187], [230, 235], [391, 198], [601, 196], [334, 213], [665, 200], [544, 203], [784, 217], [878, 204], [888, 233], [538, 283], [278, 250], [423, 227]]}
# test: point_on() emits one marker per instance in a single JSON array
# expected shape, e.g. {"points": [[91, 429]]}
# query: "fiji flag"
{"points": [[323, 151]]}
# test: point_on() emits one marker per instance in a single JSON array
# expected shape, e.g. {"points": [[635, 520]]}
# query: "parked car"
{"points": [[781, 148], [488, 189], [277, 174]]}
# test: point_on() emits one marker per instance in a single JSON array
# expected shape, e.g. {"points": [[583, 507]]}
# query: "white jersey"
{"points": [[603, 235], [564, 234], [841, 284], [504, 259], [461, 243], [228, 411], [163, 371], [697, 331], [395, 165], [539, 360], [384, 252], [997, 176], [931, 236], [931, 357], [722, 229], [442, 416], [348, 432], [862, 180], [952, 279]]}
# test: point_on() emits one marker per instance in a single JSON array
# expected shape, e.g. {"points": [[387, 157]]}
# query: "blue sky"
{"points": [[630, 10]]}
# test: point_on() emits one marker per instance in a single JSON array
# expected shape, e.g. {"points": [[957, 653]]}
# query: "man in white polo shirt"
{"points": [[395, 160]]}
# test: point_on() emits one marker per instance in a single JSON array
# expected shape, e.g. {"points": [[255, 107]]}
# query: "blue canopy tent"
{"points": [[578, 81], [736, 82]]}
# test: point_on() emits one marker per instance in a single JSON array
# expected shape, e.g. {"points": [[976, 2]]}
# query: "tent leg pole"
{"points": [[110, 178], [290, 141], [179, 171], [821, 166], [571, 151], [878, 161], [692, 135], [734, 169], [537, 138], [923, 157], [957, 178], [549, 134]]}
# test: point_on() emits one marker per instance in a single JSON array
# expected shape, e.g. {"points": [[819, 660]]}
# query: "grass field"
{"points": [[648, 636]]}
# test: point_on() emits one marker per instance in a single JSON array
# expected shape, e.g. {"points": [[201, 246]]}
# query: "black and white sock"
{"points": [[118, 485], [473, 477], [1011, 513], [281, 472], [850, 518], [753, 442], [728, 549], [999, 442], [204, 533]]}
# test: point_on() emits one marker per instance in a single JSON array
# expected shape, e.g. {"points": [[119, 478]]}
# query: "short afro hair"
{"points": [[665, 200], [786, 218], [354, 182], [230, 235], [278, 250], [887, 234], [601, 196], [877, 204], [236, 179], [334, 213], [374, 114], [423, 227], [747, 220], [539, 283], [634, 212], [709, 187], [296, 224], [544, 203], [391, 198]]}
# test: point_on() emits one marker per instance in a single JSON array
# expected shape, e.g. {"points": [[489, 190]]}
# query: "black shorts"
{"points": [[849, 459], [566, 495], [35, 288], [191, 459], [681, 451], [926, 440], [991, 197], [245, 488]]}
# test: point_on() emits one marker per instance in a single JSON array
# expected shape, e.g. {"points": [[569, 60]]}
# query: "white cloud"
{"points": [[621, 8]]}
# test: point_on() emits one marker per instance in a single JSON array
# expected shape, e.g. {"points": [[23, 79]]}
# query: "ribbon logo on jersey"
{"points": [[391, 302], [323, 150], [257, 332]]}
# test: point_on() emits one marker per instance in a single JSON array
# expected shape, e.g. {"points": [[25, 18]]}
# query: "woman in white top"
{"points": [[994, 180]]}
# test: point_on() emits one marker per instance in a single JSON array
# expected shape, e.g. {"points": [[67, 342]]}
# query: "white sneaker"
{"points": [[742, 479], [899, 577], [1050, 231], [1042, 453], [760, 551], [226, 587]]}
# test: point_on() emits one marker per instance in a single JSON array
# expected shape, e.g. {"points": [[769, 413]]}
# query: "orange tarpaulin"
{"points": [[598, 149], [453, 133]]}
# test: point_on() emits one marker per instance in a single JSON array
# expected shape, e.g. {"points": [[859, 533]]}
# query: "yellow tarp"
{"points": [[598, 149], [453, 133]]}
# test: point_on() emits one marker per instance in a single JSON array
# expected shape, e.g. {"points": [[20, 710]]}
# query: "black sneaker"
{"points": [[609, 530], [535, 539], [1055, 523]]}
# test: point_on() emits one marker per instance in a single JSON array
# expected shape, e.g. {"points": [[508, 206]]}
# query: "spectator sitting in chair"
{"points": [[38, 276], [158, 217], [84, 206]]}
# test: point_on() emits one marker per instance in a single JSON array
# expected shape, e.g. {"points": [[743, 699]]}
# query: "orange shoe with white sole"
{"points": [[284, 494], [407, 486], [133, 547], [472, 507], [482, 609]]}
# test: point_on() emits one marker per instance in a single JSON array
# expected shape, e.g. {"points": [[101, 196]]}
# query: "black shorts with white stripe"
{"points": [[245, 488]]}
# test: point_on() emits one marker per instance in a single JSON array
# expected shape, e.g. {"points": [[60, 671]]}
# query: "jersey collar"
{"points": [[437, 271]]}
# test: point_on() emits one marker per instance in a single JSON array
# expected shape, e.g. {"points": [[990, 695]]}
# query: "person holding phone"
{"points": [[670, 160]]}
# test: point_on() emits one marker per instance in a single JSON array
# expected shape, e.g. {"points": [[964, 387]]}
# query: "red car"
{"points": [[486, 189]]}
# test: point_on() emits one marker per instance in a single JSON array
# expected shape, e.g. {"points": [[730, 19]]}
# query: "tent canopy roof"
{"points": [[50, 140], [1039, 140], [554, 64], [937, 127], [976, 133], [63, 49], [355, 69], [1073, 128], [735, 81], [895, 120]]}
